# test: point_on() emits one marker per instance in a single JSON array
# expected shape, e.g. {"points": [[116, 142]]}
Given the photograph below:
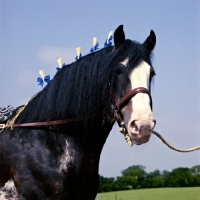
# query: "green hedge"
{"points": [[135, 177]]}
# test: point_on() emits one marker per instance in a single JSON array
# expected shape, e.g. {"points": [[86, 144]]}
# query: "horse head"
{"points": [[136, 110]]}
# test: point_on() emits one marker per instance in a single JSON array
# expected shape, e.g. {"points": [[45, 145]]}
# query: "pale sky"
{"points": [[34, 34]]}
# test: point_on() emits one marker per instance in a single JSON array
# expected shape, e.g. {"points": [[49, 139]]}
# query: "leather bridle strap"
{"points": [[118, 107], [120, 104], [57, 122]]}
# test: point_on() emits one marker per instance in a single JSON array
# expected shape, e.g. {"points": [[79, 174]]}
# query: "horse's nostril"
{"points": [[134, 125], [137, 126]]}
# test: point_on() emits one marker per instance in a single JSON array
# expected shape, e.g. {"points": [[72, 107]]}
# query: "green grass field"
{"points": [[190, 193]]}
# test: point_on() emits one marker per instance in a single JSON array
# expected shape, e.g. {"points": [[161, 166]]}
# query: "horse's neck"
{"points": [[95, 135], [55, 103], [84, 148]]}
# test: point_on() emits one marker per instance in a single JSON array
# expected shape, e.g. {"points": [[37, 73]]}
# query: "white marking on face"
{"points": [[125, 62], [140, 75], [140, 78], [137, 113]]}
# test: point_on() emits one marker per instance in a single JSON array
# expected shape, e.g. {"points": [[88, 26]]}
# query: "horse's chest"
{"points": [[71, 159]]}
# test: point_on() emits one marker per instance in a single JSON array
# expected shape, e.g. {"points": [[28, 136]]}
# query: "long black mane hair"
{"points": [[86, 86]]}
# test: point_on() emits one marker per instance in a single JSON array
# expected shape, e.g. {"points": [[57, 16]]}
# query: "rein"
{"points": [[49, 123], [118, 106], [117, 114]]}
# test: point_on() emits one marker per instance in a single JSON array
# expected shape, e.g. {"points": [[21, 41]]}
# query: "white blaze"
{"points": [[140, 78], [137, 113]]}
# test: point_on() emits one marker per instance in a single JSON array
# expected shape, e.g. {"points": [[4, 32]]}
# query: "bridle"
{"points": [[120, 104], [117, 115]]}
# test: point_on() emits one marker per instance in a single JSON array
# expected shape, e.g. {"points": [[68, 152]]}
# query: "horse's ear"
{"points": [[150, 42], [119, 36]]}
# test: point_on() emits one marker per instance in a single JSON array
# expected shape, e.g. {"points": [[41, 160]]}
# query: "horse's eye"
{"points": [[119, 71]]}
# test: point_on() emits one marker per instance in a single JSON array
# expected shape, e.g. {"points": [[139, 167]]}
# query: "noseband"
{"points": [[120, 104]]}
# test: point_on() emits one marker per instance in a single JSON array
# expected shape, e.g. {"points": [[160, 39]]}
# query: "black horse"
{"points": [[61, 161]]}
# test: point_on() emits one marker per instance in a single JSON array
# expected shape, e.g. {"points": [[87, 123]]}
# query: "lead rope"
{"points": [[123, 130], [174, 148]]}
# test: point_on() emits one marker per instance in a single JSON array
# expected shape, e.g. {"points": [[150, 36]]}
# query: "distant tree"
{"points": [[106, 184], [135, 177], [195, 173], [135, 171], [154, 179], [166, 178], [180, 177], [125, 183], [138, 173], [195, 170]]}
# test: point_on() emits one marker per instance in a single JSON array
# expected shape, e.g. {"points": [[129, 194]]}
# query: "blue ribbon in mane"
{"points": [[108, 42], [76, 58], [94, 48], [41, 81], [58, 68]]}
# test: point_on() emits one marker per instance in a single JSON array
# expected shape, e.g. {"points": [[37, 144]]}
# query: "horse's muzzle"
{"points": [[140, 132]]}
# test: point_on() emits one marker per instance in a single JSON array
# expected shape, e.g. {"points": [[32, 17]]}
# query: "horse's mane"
{"points": [[84, 87]]}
